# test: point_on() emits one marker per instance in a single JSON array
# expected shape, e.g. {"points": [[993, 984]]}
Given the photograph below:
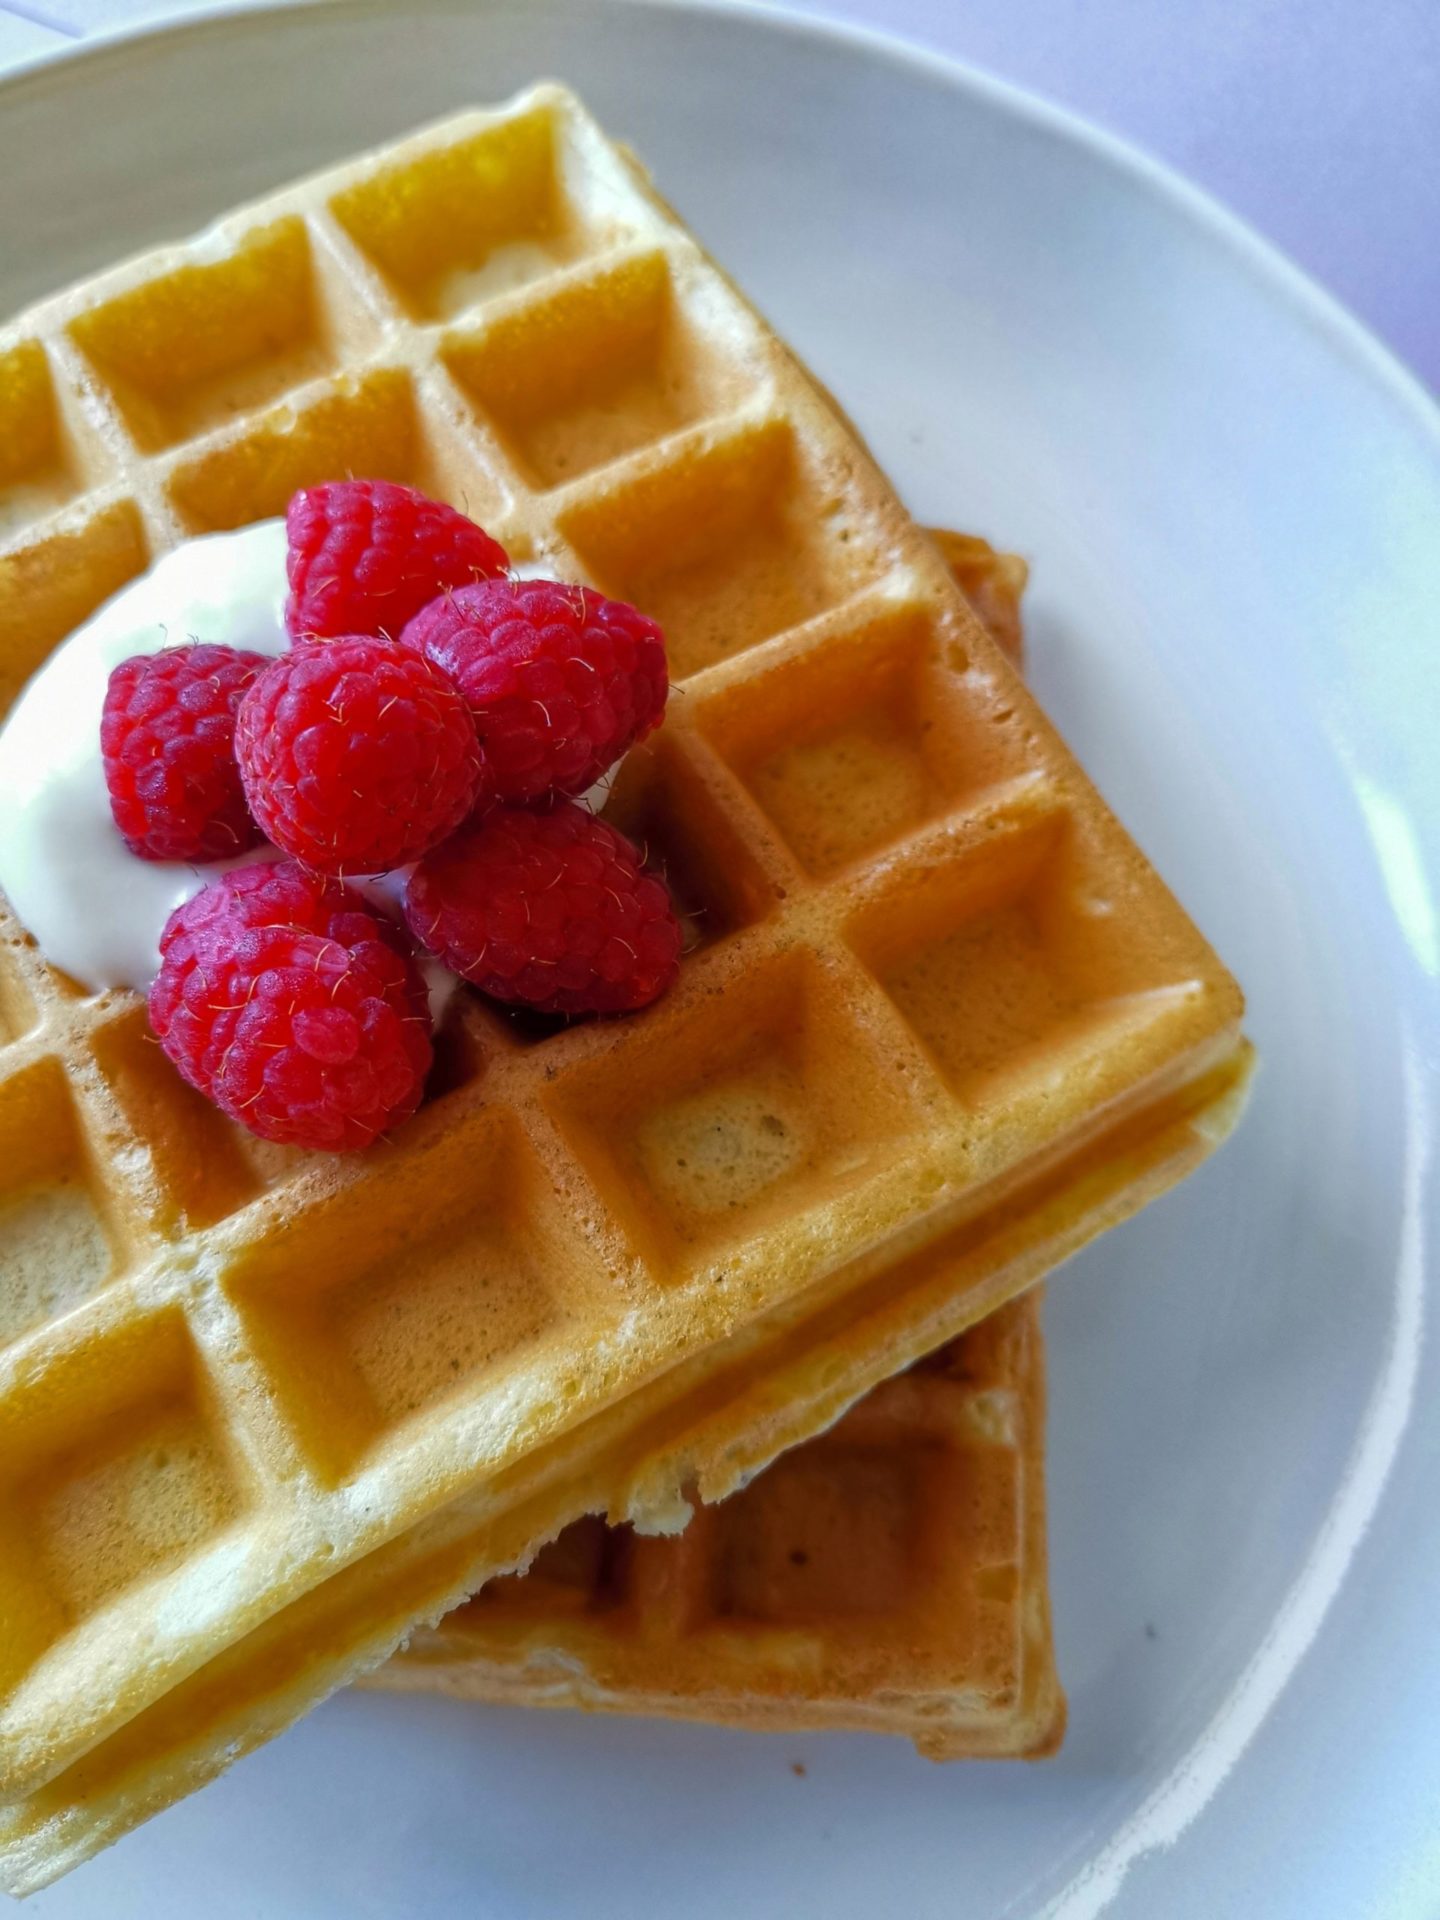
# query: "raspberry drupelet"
{"points": [[365, 555], [293, 1007], [551, 910], [167, 742], [560, 680]]}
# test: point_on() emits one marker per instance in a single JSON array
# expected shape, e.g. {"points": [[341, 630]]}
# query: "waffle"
{"points": [[888, 1576], [992, 582], [260, 1413]]}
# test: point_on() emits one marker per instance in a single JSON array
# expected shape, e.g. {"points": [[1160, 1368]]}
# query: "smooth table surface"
{"points": [[1317, 120]]}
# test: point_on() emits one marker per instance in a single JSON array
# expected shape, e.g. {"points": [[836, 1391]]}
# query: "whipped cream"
{"points": [[96, 910]]}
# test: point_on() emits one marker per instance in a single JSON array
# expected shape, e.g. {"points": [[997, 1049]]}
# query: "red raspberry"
{"points": [[366, 554], [293, 1007], [357, 755], [167, 738], [550, 910], [560, 680]]}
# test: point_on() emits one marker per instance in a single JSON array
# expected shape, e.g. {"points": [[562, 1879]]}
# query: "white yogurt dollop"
{"points": [[95, 910]]}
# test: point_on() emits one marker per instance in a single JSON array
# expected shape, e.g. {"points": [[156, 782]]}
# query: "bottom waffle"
{"points": [[888, 1576]]}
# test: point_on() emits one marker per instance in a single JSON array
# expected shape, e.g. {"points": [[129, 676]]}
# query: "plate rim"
{"points": [[1345, 333]]}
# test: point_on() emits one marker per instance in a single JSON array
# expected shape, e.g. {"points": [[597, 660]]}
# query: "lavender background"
{"points": [[1317, 120]]}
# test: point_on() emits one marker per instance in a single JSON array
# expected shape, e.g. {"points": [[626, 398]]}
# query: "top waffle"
{"points": [[935, 991]]}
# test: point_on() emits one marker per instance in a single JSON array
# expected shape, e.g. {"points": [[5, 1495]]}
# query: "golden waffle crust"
{"points": [[888, 1577], [261, 1412]]}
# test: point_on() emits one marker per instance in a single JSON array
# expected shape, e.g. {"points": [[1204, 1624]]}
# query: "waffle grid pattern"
{"points": [[925, 961], [887, 1576]]}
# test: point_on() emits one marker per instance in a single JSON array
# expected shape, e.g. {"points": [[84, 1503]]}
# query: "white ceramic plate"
{"points": [[1232, 499]]}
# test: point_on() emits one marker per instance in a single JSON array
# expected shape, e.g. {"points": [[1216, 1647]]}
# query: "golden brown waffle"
{"points": [[260, 1413], [992, 582], [888, 1576]]}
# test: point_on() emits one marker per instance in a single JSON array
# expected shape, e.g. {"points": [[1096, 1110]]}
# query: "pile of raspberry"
{"points": [[433, 714]]}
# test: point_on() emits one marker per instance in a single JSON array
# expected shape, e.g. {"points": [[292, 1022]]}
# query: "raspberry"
{"points": [[357, 755], [561, 681], [551, 910], [293, 1008], [167, 738], [366, 554]]}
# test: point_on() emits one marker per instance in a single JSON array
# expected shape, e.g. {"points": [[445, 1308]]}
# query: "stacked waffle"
{"points": [[888, 1576], [261, 1412]]}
